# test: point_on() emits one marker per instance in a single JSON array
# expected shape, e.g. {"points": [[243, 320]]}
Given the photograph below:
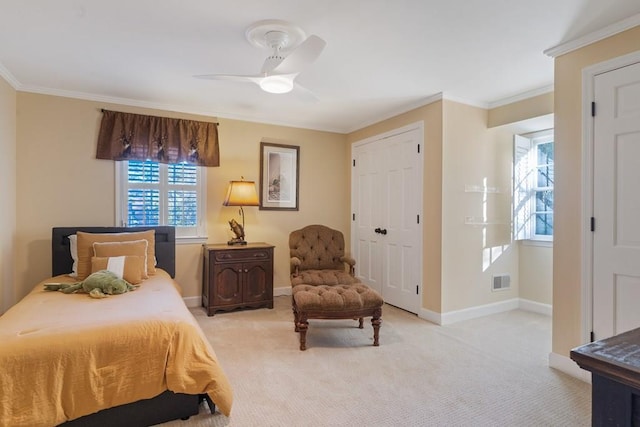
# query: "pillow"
{"points": [[129, 268], [73, 248], [85, 248], [117, 249]]}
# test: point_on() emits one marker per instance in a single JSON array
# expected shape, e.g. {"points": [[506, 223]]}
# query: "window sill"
{"points": [[539, 243], [191, 240]]}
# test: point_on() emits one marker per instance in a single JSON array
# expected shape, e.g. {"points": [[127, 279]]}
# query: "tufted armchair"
{"points": [[318, 257]]}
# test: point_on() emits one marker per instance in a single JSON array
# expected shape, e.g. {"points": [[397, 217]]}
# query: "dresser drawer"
{"points": [[246, 255]]}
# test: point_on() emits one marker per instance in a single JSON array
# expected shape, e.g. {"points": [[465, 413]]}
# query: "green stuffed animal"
{"points": [[98, 285]]}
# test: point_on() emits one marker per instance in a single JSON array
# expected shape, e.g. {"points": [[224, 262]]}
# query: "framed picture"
{"points": [[279, 173]]}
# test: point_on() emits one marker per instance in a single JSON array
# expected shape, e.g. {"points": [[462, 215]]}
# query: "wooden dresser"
{"points": [[237, 277], [614, 364]]}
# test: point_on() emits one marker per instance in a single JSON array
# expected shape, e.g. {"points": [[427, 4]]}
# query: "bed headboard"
{"points": [[62, 263]]}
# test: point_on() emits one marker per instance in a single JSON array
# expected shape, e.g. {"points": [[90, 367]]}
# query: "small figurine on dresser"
{"points": [[239, 233]]}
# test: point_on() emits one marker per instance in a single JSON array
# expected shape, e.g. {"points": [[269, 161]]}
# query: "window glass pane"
{"points": [[143, 207], [182, 208], [139, 171], [545, 176], [544, 201], [544, 224], [182, 174], [545, 153]]}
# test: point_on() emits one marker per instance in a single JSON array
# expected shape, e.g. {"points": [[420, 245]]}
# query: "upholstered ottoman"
{"points": [[346, 301]]}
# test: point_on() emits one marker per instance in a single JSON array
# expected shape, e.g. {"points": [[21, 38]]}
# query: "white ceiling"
{"points": [[382, 57]]}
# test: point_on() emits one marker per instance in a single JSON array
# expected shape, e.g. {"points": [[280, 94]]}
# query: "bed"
{"points": [[135, 359]]}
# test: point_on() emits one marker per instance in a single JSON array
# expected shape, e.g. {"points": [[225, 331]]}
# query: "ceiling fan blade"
{"points": [[307, 52], [230, 77], [304, 94]]}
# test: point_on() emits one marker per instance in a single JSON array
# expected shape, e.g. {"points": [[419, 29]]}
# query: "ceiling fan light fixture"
{"points": [[276, 84]]}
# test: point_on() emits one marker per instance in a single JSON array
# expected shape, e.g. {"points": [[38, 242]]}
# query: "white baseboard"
{"points": [[430, 316], [282, 290], [569, 367], [535, 307], [479, 311], [484, 310], [192, 302]]}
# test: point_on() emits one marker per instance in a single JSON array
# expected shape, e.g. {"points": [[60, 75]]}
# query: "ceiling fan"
{"points": [[278, 71]]}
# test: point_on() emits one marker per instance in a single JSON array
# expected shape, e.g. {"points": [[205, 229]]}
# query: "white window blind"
{"points": [[533, 179], [151, 193], [521, 188]]}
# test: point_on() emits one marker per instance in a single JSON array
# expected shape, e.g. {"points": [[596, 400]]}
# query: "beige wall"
{"points": [[535, 106], [7, 194], [535, 265], [474, 156], [431, 116], [567, 256], [60, 183]]}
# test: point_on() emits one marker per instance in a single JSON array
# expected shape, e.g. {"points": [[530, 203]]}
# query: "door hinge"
{"points": [[353, 217], [593, 224], [418, 148], [418, 218], [354, 163], [417, 289], [593, 109], [592, 336]]}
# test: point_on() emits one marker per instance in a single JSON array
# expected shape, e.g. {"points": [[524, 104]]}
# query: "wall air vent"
{"points": [[501, 282]]}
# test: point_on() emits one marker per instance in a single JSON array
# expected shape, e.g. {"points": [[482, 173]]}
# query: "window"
{"points": [[150, 193], [533, 175]]}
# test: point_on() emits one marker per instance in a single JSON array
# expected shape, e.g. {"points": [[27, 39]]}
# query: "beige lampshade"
{"points": [[241, 193]]}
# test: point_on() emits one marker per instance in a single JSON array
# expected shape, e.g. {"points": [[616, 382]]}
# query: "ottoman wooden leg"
{"points": [[303, 325], [361, 322], [375, 322], [295, 319]]}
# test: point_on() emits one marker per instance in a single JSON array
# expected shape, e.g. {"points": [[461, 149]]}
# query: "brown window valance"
{"points": [[126, 136]]}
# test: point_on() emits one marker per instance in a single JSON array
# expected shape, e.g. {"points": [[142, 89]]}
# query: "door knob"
{"points": [[377, 230], [383, 231]]}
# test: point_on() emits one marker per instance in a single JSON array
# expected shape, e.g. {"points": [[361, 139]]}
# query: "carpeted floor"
{"points": [[490, 371]]}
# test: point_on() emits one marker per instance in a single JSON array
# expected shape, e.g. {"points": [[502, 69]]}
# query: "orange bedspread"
{"points": [[65, 356]]}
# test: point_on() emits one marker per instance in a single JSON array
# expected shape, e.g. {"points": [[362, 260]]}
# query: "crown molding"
{"points": [[401, 110], [521, 96], [6, 74], [608, 31], [167, 107], [440, 96], [460, 100]]}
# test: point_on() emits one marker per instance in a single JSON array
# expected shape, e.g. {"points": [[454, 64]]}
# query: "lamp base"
{"points": [[236, 241]]}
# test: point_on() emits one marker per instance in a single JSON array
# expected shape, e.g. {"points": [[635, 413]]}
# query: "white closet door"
{"points": [[616, 244], [387, 202]]}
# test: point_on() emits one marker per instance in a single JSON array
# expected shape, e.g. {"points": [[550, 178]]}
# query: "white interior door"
{"points": [[616, 199], [366, 244], [387, 202]]}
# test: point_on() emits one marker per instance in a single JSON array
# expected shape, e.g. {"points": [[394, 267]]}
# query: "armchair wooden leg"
{"points": [[302, 326], [361, 322], [375, 322]]}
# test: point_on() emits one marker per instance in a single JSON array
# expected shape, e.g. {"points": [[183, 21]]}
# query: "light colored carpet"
{"points": [[490, 371]]}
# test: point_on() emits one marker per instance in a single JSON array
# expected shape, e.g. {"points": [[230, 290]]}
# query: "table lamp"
{"points": [[240, 193]]}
